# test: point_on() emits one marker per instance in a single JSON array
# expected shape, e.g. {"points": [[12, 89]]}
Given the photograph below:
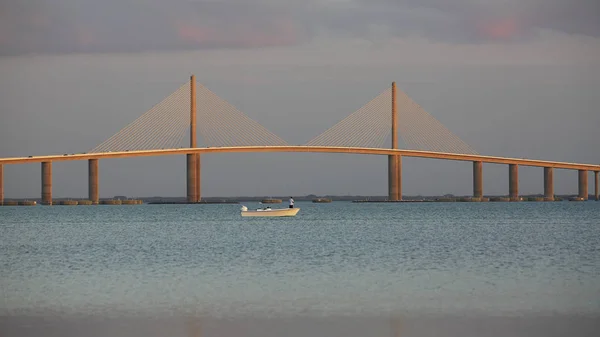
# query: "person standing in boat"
{"points": [[291, 202]]}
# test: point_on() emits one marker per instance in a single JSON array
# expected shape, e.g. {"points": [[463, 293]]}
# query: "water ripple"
{"points": [[332, 258]]}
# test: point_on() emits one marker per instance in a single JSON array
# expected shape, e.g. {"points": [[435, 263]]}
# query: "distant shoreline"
{"points": [[313, 198]]}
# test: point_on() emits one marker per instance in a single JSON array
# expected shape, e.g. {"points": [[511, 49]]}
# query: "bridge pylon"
{"points": [[394, 161], [193, 160]]}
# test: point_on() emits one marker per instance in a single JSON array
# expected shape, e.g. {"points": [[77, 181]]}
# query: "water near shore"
{"points": [[525, 268]]}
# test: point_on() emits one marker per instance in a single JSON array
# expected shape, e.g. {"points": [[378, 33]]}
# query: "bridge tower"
{"points": [[193, 160], [394, 161]]}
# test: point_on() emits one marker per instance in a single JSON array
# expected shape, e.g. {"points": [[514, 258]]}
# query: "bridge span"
{"points": [[477, 160], [224, 129], [305, 148]]}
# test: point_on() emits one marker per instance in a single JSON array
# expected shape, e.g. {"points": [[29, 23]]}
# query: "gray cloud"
{"points": [[65, 26], [468, 21], [132, 26]]}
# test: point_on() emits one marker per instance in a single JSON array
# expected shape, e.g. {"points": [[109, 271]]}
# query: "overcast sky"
{"points": [[515, 78]]}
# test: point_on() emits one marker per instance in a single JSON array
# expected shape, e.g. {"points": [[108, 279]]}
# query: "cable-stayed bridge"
{"points": [[391, 124]]}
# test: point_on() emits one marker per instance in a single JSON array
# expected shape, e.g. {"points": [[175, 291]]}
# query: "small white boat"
{"points": [[268, 211]]}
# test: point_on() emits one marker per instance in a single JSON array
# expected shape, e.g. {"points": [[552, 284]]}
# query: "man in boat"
{"points": [[291, 202]]}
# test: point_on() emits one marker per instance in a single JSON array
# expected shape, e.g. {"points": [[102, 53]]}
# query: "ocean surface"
{"points": [[503, 265]]}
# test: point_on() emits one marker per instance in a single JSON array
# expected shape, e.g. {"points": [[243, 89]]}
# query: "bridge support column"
{"points": [[548, 184], [513, 182], [2, 185], [399, 179], [93, 180], [478, 179], [595, 185], [193, 159], [394, 161], [583, 184], [198, 180], [191, 178], [47, 183], [394, 178]]}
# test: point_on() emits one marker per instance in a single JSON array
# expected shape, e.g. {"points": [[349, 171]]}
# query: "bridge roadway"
{"points": [[312, 149], [394, 169]]}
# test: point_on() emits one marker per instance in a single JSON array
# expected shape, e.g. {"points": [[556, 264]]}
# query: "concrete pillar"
{"points": [[2, 184], [513, 182], [394, 161], [193, 160], [93, 187], [198, 180], [191, 178], [595, 185], [583, 184], [548, 184], [477, 179], [193, 111], [394, 117], [399, 179], [393, 177], [47, 183]]}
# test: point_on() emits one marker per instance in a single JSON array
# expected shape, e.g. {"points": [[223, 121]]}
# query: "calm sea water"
{"points": [[332, 259]]}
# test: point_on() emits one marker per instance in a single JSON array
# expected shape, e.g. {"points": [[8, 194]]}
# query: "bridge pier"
{"points": [[198, 181], [394, 178], [93, 191], [583, 184], [548, 184], [513, 182], [596, 173], [47, 183], [2, 185], [399, 179], [193, 159], [478, 179], [191, 178], [394, 161]]}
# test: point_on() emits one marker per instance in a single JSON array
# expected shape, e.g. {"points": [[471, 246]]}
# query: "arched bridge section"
{"points": [[390, 124], [390, 120]]}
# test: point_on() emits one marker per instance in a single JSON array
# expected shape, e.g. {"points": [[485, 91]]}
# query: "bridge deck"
{"points": [[313, 149]]}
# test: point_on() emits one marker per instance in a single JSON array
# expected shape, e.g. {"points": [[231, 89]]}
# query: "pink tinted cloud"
{"points": [[499, 29], [280, 32], [84, 37], [195, 34], [39, 20]]}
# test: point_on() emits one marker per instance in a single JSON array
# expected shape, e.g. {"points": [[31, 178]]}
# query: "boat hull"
{"points": [[272, 212]]}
